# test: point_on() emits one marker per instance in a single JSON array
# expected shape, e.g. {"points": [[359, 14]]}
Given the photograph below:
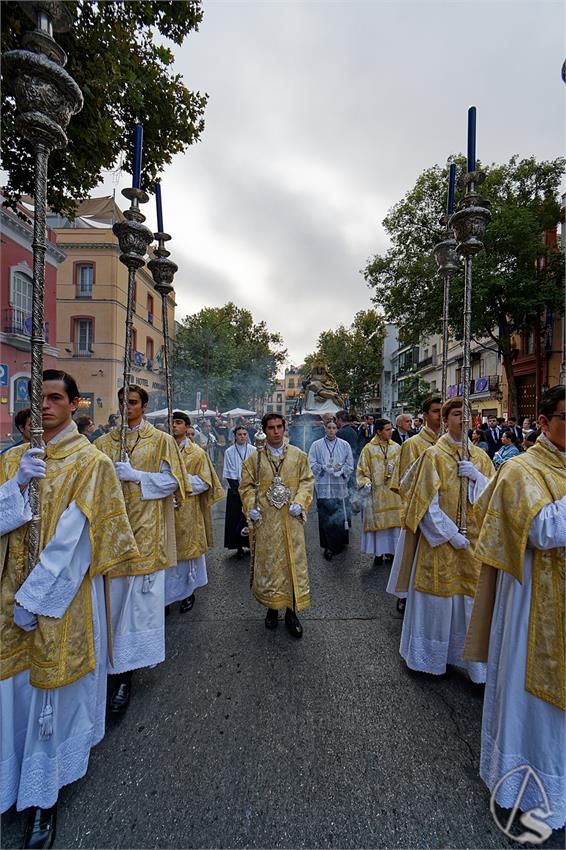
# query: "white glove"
{"points": [[459, 541], [366, 489], [295, 509], [466, 469], [24, 619], [255, 514], [126, 472], [31, 466]]}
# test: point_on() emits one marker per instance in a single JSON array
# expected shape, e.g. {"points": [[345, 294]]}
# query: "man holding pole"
{"points": [[276, 492], [439, 571], [54, 626], [152, 472]]}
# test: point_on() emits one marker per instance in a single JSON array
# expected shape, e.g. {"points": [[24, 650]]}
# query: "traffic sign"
{"points": [[3, 374]]}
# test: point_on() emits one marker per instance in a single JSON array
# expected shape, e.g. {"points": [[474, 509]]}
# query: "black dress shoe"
{"points": [[240, 554], [187, 604], [378, 561], [401, 603], [120, 699], [271, 618], [328, 554], [292, 622], [40, 827]]}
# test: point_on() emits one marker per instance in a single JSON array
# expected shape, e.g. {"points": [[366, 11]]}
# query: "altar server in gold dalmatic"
{"points": [[193, 519], [53, 636], [518, 623], [438, 568], [404, 475], [381, 512], [276, 506], [152, 473]]}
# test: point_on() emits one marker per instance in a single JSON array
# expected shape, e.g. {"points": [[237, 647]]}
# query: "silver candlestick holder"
{"points": [[468, 223], [133, 238], [46, 97], [163, 270], [446, 257]]}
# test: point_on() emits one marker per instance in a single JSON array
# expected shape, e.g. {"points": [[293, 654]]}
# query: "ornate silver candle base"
{"points": [[46, 97], [134, 239], [469, 223], [163, 270]]}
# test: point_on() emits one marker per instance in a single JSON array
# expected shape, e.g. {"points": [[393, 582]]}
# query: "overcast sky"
{"points": [[321, 116]]}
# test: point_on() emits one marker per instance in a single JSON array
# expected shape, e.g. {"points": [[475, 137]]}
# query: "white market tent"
{"points": [[239, 411], [162, 414]]}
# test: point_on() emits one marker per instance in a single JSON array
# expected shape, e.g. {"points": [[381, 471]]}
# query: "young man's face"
{"points": [[330, 430], [454, 422], [386, 431], [136, 408], [492, 421], [25, 431], [370, 420], [180, 429], [241, 436], [275, 430], [554, 426], [432, 417], [57, 409], [191, 433]]}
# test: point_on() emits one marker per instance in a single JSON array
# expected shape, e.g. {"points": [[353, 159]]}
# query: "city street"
{"points": [[247, 738]]}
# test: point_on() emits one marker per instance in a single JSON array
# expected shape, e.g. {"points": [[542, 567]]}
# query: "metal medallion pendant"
{"points": [[278, 494]]}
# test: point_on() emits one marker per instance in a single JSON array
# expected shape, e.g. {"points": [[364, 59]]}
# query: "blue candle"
{"points": [[472, 138], [451, 188], [138, 143], [159, 208]]}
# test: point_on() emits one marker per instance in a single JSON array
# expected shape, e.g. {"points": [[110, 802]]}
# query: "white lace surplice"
{"points": [[184, 578]]}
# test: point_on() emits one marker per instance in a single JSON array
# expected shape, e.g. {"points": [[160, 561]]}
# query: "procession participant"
{"points": [[53, 627], [284, 492], [444, 571], [332, 464], [381, 514], [193, 519], [14, 505], [151, 474], [411, 451], [22, 422], [517, 622], [236, 534]]}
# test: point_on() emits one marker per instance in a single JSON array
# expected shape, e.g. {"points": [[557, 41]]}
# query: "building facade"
{"points": [[92, 291], [16, 287], [275, 401], [292, 382]]}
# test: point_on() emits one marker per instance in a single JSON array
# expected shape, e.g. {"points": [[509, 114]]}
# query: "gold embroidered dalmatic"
{"points": [[376, 466], [61, 650], [152, 520], [506, 509], [281, 569], [443, 570], [193, 519], [411, 451]]}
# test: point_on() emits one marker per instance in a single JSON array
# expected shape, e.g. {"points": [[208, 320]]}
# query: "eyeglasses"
{"points": [[560, 415]]}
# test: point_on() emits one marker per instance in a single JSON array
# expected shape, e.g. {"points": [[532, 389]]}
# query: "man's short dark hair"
{"points": [[58, 375], [178, 414], [381, 423], [82, 423], [240, 428], [551, 399], [428, 402], [267, 417], [511, 419], [135, 388], [21, 418]]}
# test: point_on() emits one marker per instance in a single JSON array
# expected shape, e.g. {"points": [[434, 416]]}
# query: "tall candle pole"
{"points": [[46, 97], [446, 258], [468, 223], [163, 270]]}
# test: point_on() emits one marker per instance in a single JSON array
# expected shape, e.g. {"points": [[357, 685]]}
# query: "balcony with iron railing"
{"points": [[16, 321], [478, 386]]}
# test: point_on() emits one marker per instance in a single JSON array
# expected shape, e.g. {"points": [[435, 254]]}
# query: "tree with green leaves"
{"points": [[518, 276], [354, 355], [118, 56], [227, 357]]}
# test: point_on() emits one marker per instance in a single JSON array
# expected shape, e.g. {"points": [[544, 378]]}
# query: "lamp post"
{"points": [[46, 97]]}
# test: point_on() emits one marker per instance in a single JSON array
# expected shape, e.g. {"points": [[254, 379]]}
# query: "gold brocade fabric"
{"points": [[507, 507], [61, 650], [443, 570], [411, 450], [382, 508], [152, 520], [193, 520], [280, 569]]}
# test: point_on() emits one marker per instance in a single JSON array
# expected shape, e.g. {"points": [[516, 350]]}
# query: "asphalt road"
{"points": [[248, 738]]}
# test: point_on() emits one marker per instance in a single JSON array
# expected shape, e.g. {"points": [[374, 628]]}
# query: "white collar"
{"points": [[72, 426]]}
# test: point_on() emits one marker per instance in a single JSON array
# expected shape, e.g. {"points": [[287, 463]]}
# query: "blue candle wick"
{"points": [[472, 138], [451, 188], [137, 161], [159, 208]]}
